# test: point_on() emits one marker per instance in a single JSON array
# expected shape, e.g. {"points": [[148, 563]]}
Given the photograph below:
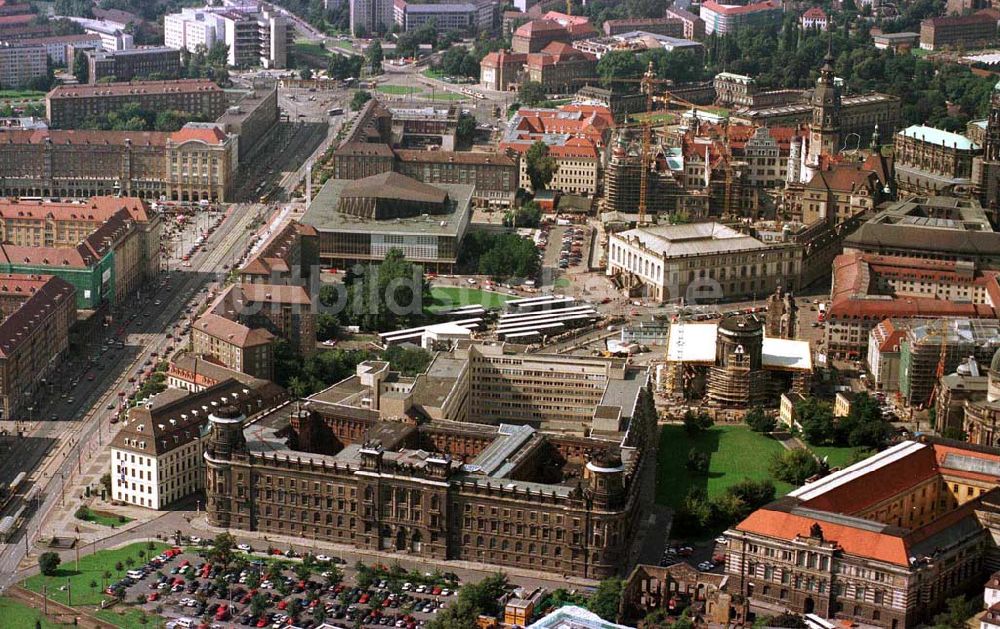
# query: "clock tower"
{"points": [[824, 130]]}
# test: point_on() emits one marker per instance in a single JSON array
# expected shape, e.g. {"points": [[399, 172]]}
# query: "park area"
{"points": [[83, 584], [447, 297], [18, 614], [735, 453]]}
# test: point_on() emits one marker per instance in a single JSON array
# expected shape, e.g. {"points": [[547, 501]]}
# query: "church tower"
{"points": [[824, 131], [986, 168]]}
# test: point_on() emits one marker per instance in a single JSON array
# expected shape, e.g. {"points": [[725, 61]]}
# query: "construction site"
{"points": [[733, 363], [934, 348]]}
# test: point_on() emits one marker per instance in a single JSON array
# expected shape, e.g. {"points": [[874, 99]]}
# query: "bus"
{"points": [[265, 197], [336, 111]]}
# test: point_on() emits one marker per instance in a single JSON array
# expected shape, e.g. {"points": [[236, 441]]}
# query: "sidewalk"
{"points": [[298, 543]]}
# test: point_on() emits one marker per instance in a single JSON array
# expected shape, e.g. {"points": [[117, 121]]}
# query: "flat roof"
{"points": [[695, 343], [324, 216], [692, 239], [939, 137]]}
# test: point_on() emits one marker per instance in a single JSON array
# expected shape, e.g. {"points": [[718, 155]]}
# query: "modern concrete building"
{"points": [[21, 62], [68, 106], [362, 220], [726, 18], [57, 46], [958, 31], [135, 63], [671, 27], [370, 17], [475, 16], [255, 33]]}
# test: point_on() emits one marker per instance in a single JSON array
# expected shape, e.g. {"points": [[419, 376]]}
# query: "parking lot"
{"points": [[565, 247], [192, 587]]}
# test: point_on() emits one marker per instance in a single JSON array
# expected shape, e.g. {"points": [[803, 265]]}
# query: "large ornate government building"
{"points": [[411, 465]]}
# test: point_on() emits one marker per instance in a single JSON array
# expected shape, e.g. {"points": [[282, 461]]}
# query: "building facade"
{"points": [[69, 106], [38, 312], [134, 63], [234, 345], [389, 485], [724, 18], [702, 261], [883, 542], [157, 456], [21, 62], [560, 67], [255, 34], [958, 31], [479, 16], [929, 161]]}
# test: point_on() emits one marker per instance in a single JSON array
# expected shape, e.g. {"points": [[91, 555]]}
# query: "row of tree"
{"points": [[131, 117], [500, 256]]}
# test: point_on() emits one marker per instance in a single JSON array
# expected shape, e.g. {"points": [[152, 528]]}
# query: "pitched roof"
{"points": [[536, 27], [232, 332], [392, 185], [43, 293], [843, 178], [209, 134], [136, 88], [453, 157], [815, 13], [88, 137], [97, 209]]}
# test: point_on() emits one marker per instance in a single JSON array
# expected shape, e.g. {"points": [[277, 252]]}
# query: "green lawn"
{"points": [[445, 96], [128, 619], [91, 568], [17, 614], [736, 453], [343, 45], [433, 73], [105, 519], [446, 297], [21, 95], [836, 457], [398, 90]]}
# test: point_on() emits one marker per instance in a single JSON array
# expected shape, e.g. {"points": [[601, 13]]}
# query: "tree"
{"points": [[816, 418], [465, 133], [305, 73], [697, 461], [695, 423], [607, 599], [374, 57], [753, 493], [81, 70], [531, 93], [222, 548], [619, 64], [344, 67], [960, 609], [259, 604], [386, 296], [48, 563], [409, 361], [83, 513], [760, 421], [794, 466], [359, 99], [540, 165], [119, 567], [528, 215], [694, 513]]}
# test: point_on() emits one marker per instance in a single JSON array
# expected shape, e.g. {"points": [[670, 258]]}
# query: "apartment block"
{"points": [[135, 63], [255, 34], [68, 106], [21, 62]]}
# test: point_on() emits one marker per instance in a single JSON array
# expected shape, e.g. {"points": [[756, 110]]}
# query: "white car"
{"points": [[247, 548], [471, 280], [323, 558], [721, 540], [195, 539]]}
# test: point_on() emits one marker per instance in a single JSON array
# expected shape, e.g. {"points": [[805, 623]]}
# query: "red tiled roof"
{"points": [[854, 273], [24, 18], [843, 178], [814, 13], [535, 27], [64, 136], [853, 540], [97, 209], [199, 133], [135, 87], [723, 9], [231, 331], [503, 57], [42, 292]]}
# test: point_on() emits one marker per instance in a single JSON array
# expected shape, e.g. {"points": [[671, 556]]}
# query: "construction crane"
{"points": [[647, 84], [939, 371]]}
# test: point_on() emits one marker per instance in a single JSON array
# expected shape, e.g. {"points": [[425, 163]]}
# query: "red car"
{"points": [[152, 597]]}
